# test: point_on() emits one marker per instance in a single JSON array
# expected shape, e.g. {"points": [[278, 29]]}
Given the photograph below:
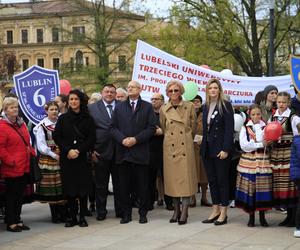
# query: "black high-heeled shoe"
{"points": [[219, 223], [172, 220], [212, 220]]}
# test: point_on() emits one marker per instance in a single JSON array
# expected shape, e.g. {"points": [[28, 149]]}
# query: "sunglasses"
{"points": [[173, 91], [155, 99]]}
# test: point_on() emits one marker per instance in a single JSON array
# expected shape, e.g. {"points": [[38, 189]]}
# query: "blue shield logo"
{"points": [[34, 88], [295, 71]]}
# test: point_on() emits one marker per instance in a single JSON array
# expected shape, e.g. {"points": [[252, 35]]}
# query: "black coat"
{"points": [[219, 136], [105, 144], [75, 131], [139, 124]]}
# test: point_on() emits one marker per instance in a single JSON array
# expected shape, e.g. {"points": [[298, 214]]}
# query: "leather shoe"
{"points": [[212, 220], [219, 223], [143, 220], [125, 219], [15, 229], [82, 222], [71, 222], [101, 217], [23, 227]]}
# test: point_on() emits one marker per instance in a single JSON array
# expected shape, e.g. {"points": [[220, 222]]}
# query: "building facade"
{"points": [[48, 34]]}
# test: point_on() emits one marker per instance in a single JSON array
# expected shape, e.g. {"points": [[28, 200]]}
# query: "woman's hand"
{"points": [[222, 155], [73, 154]]}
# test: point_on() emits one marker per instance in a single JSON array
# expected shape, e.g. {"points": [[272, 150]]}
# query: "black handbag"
{"points": [[35, 174]]}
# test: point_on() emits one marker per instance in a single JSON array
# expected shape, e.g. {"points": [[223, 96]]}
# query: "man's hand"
{"points": [[158, 131], [95, 156], [222, 155], [129, 142]]}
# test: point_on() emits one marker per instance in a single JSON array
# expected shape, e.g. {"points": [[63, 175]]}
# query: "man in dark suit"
{"points": [[133, 125], [104, 151]]}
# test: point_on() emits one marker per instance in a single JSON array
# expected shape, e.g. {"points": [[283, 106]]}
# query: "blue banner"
{"points": [[34, 88], [295, 71]]}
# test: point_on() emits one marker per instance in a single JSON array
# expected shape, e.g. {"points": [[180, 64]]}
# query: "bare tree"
{"points": [[113, 28]]}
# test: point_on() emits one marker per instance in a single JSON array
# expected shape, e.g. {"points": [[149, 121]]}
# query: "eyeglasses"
{"points": [[155, 99], [173, 91]]}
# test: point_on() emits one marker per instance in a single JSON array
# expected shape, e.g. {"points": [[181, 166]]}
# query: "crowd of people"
{"points": [[159, 151]]}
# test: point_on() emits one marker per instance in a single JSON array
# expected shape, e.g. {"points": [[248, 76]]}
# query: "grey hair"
{"points": [[9, 101]]}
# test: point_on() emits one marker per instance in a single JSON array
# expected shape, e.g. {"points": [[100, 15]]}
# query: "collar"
{"points": [[47, 122], [135, 101], [251, 124], [169, 104], [286, 113], [113, 103]]}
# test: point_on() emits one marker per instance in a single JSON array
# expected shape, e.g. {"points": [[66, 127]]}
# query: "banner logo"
{"points": [[35, 87], [295, 71]]}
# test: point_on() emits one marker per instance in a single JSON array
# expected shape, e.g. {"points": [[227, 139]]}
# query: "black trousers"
{"points": [[103, 169], [14, 196], [128, 173], [72, 203], [218, 178]]}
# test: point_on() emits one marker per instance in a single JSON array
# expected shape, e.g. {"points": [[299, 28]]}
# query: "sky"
{"points": [[159, 8]]}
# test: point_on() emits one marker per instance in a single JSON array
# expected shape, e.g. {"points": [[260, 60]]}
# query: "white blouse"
{"points": [[41, 138], [251, 145]]}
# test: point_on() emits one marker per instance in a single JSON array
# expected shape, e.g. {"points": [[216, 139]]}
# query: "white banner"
{"points": [[154, 68]]}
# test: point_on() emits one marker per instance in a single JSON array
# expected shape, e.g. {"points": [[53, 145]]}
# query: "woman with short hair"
{"points": [[15, 153], [178, 122]]}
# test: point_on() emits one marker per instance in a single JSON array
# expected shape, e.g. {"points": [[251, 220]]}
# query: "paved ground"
{"points": [[157, 234]]}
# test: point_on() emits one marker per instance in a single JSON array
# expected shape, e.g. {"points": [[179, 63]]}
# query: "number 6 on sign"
{"points": [[38, 99]]}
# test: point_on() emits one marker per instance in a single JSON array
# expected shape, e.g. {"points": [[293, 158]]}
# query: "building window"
{"points": [[122, 63], [40, 62], [87, 62], [25, 64], [56, 63], [9, 36], [79, 59], [78, 33], [24, 36], [55, 34], [39, 35]]}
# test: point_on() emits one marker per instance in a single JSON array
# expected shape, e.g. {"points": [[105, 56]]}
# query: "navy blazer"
{"points": [[139, 124], [105, 144], [219, 136]]}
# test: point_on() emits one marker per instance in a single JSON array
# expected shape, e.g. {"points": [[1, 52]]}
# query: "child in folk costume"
{"points": [[254, 179], [284, 190], [50, 188]]}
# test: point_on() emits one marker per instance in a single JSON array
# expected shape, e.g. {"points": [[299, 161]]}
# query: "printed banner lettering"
{"points": [[154, 68]]}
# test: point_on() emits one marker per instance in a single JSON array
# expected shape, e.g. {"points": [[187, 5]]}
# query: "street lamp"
{"points": [[271, 38]]}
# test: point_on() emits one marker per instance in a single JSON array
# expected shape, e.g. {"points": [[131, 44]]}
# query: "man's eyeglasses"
{"points": [[173, 91], [155, 99]]}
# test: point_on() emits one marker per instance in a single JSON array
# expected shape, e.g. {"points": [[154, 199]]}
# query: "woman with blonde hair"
{"points": [[178, 122], [216, 147]]}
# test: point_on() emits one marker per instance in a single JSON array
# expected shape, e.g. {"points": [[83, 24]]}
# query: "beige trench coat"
{"points": [[179, 125]]}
